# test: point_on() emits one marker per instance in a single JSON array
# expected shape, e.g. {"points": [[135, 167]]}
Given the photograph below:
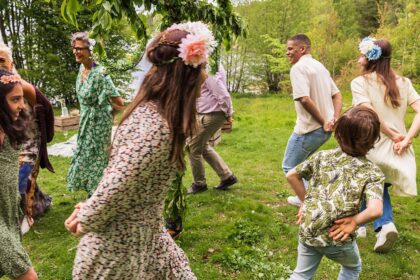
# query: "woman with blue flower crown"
{"points": [[97, 97], [389, 94]]}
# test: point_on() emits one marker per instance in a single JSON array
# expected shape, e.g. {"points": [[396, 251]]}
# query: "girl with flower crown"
{"points": [[97, 96], [14, 261], [389, 94], [122, 224]]}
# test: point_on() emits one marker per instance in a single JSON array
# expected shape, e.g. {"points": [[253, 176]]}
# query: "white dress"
{"points": [[399, 170]]}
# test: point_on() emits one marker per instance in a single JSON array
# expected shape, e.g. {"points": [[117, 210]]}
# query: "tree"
{"points": [[107, 13]]}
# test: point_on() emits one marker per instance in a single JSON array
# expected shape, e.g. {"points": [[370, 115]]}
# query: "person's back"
{"points": [[339, 180], [337, 184]]}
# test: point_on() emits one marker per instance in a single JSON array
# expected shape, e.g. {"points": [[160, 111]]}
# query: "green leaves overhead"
{"points": [[225, 23]]}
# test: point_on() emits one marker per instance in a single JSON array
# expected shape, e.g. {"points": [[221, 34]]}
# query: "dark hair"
{"points": [[357, 131], [382, 67], [301, 38], [174, 87], [16, 131]]}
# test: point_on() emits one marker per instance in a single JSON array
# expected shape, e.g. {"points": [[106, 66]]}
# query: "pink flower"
{"points": [[5, 79], [193, 50]]}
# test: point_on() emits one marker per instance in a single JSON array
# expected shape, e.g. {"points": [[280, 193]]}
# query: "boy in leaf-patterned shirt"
{"points": [[338, 180]]}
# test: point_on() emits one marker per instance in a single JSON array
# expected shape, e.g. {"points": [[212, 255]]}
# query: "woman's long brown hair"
{"points": [[174, 88], [382, 67]]}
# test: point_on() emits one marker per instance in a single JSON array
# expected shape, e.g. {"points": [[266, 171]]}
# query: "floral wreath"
{"points": [[196, 48], [6, 79], [369, 49]]}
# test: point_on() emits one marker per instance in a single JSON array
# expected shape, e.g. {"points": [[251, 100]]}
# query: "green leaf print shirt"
{"points": [[94, 135], [337, 184]]}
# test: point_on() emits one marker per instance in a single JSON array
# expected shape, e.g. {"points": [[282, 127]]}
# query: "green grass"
{"points": [[248, 232]]}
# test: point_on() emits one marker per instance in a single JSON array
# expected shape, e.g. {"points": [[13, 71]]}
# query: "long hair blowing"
{"points": [[174, 87], [16, 131], [382, 67]]}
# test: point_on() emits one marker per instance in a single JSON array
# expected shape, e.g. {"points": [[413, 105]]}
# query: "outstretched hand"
{"points": [[342, 229]]}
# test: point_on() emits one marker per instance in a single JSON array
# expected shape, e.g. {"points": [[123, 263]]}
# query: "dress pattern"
{"points": [[125, 236], [94, 136], [337, 184], [14, 261]]}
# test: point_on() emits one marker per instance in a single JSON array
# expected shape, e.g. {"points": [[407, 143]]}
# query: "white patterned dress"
{"points": [[125, 238]]}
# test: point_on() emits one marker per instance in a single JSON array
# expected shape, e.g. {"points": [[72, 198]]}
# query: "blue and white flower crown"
{"points": [[368, 48]]}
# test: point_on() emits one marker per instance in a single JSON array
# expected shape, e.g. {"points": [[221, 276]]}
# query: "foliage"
{"points": [[107, 13]]}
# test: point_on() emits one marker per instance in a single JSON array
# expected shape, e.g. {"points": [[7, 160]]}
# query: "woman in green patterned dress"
{"points": [[14, 261], [97, 97]]}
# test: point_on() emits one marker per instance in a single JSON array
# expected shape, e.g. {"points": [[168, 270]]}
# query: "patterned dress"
{"points": [[14, 261], [125, 236], [94, 136], [337, 184]]}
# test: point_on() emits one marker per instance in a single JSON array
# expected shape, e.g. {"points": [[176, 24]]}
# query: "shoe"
{"points": [[224, 184], [386, 238], [361, 232], [197, 188], [294, 200]]}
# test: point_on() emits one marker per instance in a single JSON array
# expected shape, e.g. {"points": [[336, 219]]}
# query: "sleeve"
{"points": [[334, 88], [306, 168], [374, 188], [108, 89], [113, 197], [218, 89], [300, 82], [359, 92], [412, 94]]}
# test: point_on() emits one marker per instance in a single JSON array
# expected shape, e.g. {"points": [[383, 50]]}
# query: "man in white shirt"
{"points": [[317, 102]]}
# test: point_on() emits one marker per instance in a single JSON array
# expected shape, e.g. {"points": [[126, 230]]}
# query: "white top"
{"points": [[400, 171], [310, 78]]}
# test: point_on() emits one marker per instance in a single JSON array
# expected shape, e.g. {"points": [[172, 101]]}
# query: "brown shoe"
{"points": [[226, 183], [197, 188]]}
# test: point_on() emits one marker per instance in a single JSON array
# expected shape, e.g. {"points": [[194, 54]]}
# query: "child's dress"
{"points": [[14, 261]]}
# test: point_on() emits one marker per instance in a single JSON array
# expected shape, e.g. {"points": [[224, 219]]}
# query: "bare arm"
{"points": [[310, 106], [117, 103], [345, 226], [412, 132], [29, 92], [394, 135], [337, 101], [296, 182]]}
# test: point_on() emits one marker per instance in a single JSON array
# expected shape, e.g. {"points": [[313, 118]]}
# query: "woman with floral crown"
{"points": [[14, 261], [389, 94], [122, 224], [97, 96]]}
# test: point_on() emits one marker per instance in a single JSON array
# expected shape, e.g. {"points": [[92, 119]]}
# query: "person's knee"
{"points": [[29, 275]]}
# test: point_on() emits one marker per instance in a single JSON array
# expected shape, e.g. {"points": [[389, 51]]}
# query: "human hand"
{"points": [[79, 230], [401, 147], [328, 126], [230, 119], [299, 215], [342, 228], [397, 137], [71, 222]]}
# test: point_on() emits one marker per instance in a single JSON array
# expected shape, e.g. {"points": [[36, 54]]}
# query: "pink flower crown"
{"points": [[196, 48], [6, 79]]}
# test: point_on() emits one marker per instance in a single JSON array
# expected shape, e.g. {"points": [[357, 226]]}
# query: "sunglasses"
{"points": [[75, 49]]}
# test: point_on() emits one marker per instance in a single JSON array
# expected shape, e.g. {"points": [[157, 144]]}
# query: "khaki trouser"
{"points": [[199, 148]]}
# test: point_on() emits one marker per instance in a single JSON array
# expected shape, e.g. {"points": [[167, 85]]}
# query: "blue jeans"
{"points": [[25, 171], [300, 147], [386, 217], [309, 258]]}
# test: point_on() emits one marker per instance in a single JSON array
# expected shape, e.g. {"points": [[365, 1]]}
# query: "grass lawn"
{"points": [[248, 232]]}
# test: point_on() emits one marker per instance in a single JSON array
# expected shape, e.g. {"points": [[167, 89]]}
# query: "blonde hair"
{"points": [[5, 55]]}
